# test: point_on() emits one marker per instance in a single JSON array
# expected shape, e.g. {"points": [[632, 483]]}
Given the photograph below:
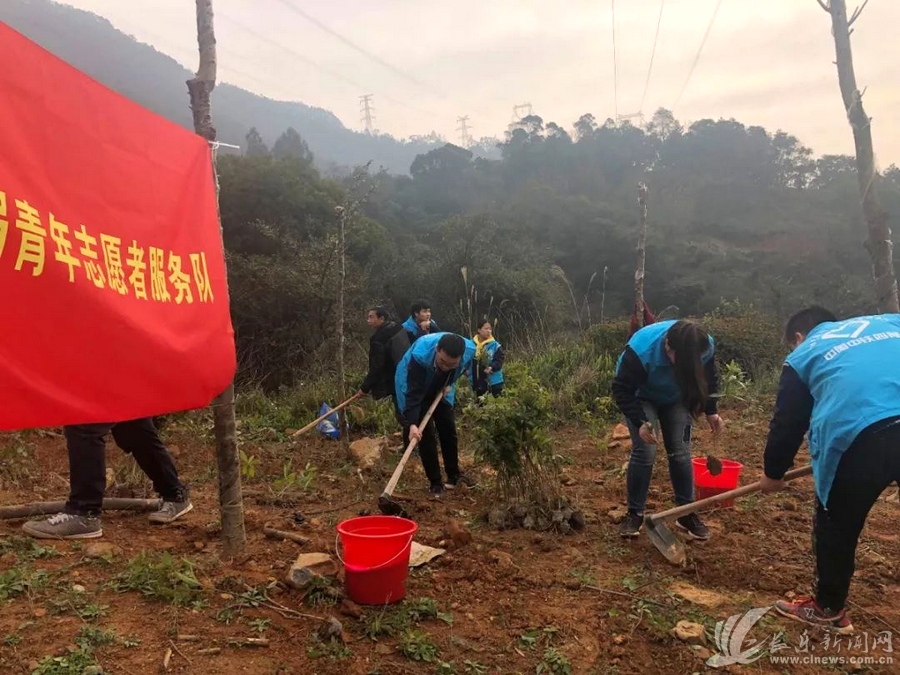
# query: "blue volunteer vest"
{"points": [[852, 370], [649, 343], [496, 377], [423, 352]]}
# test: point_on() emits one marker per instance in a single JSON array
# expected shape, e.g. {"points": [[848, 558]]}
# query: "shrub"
{"points": [[511, 435]]}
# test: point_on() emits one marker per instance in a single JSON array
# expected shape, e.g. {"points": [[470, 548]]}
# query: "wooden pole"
{"points": [[234, 537], [341, 213], [879, 244], [641, 255]]}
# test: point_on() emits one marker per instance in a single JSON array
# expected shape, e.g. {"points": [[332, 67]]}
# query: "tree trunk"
{"points": [[879, 242], [234, 538], [641, 256], [603, 294], [342, 252]]}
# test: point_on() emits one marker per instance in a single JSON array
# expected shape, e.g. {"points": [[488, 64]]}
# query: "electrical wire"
{"points": [[615, 64], [362, 50], [662, 4], [712, 20]]}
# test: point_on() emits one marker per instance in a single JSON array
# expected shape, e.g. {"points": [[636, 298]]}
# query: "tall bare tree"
{"points": [[341, 213], [879, 244], [641, 255], [234, 538]]}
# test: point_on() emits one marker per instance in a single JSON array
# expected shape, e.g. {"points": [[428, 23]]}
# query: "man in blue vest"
{"points": [[434, 363], [842, 382], [419, 321]]}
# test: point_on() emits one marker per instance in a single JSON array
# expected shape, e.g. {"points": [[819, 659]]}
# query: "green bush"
{"points": [[511, 435], [752, 340]]}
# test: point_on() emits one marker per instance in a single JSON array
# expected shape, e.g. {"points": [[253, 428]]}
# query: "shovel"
{"points": [[343, 405], [671, 546], [386, 502]]}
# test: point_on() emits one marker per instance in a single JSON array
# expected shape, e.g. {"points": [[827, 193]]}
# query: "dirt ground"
{"points": [[508, 602]]}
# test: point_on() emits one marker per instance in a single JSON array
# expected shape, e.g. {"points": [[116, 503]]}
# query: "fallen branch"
{"points": [[167, 658], [46, 508], [179, 652], [250, 642], [188, 638], [630, 596], [272, 533], [210, 650], [874, 616]]}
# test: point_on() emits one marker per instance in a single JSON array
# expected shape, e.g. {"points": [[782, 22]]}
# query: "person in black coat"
{"points": [[387, 346]]}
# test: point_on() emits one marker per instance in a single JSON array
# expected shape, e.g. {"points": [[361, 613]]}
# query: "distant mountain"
{"points": [[157, 82]]}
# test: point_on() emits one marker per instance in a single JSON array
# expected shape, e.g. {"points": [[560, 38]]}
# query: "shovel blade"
{"points": [[391, 507], [665, 541]]}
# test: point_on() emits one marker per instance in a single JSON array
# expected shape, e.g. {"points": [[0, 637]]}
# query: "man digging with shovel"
{"points": [[433, 363], [842, 382]]}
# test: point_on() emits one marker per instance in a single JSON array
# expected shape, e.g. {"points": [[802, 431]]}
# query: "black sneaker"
{"points": [[462, 480], [693, 526], [436, 490], [631, 525]]}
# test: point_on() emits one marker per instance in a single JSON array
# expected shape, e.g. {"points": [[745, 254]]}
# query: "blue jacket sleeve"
{"points": [[630, 376], [499, 358], [416, 379], [790, 421]]}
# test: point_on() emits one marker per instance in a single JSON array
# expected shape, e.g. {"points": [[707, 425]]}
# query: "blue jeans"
{"points": [[676, 423]]}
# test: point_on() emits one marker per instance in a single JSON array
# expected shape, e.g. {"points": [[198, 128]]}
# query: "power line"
{"points": [[712, 20], [362, 50], [662, 4], [615, 63], [328, 71]]}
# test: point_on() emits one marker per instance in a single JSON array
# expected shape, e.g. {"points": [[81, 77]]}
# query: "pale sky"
{"points": [[766, 62]]}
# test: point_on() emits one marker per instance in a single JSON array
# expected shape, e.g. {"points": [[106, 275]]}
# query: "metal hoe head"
{"points": [[665, 541], [391, 507]]}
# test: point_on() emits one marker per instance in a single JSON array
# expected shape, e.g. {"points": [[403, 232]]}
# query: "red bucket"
{"points": [[376, 557], [707, 485]]}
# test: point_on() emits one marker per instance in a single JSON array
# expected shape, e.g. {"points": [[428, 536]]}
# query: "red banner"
{"points": [[113, 295]]}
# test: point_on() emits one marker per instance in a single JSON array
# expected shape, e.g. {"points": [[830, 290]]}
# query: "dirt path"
{"points": [[510, 602]]}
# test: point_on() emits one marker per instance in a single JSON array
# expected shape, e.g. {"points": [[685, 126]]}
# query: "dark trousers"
{"points": [[442, 425], [482, 388], [867, 468], [87, 462]]}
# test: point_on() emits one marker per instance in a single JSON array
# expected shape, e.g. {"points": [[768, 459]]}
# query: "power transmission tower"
{"points": [[520, 112], [639, 116], [463, 130], [365, 107]]}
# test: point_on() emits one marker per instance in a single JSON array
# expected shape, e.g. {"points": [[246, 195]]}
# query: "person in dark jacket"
{"points": [[387, 345], [487, 366], [841, 382], [419, 321], [667, 374], [86, 443], [434, 364]]}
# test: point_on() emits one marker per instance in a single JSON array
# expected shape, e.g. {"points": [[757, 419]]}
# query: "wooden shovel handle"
{"points": [[395, 477], [343, 405], [679, 511]]}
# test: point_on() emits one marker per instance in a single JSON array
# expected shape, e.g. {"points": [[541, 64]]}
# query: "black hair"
{"points": [[805, 320], [418, 306], [689, 341], [452, 345], [381, 312], [484, 321]]}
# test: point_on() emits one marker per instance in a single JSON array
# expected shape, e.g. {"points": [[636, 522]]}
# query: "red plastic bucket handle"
{"points": [[337, 541]]}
